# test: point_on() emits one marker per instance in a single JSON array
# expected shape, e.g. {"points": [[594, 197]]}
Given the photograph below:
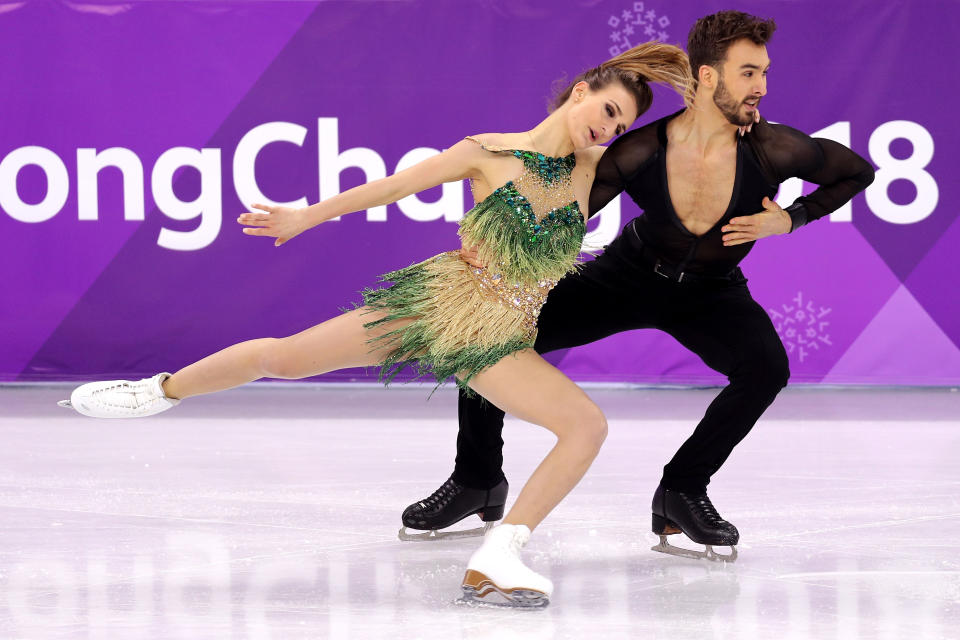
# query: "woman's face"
{"points": [[596, 116]]}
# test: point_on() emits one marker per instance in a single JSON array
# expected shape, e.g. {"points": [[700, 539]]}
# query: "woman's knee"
{"points": [[276, 359], [588, 426]]}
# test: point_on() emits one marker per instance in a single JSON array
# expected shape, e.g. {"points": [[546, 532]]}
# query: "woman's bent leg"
{"points": [[527, 386], [530, 388], [338, 343]]}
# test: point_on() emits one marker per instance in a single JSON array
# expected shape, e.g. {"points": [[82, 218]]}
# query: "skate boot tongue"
{"points": [[513, 537], [156, 385]]}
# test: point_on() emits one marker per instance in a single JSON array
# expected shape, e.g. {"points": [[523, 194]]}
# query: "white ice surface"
{"points": [[272, 512]]}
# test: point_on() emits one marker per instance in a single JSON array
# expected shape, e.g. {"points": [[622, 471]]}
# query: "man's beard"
{"points": [[729, 107]]}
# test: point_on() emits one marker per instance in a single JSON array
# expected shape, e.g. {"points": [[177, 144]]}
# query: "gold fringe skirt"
{"points": [[466, 318]]}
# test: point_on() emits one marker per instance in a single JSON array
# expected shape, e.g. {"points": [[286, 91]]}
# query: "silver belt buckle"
{"points": [[656, 270]]}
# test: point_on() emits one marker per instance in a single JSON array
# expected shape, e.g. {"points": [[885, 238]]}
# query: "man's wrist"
{"points": [[798, 215]]}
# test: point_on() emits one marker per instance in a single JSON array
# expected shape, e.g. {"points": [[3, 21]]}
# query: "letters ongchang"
{"points": [[331, 161]]}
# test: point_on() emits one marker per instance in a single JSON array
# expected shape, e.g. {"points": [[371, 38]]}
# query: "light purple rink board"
{"points": [[132, 133]]}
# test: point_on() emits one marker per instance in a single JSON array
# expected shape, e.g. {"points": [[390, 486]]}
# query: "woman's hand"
{"points": [[744, 130], [282, 223]]}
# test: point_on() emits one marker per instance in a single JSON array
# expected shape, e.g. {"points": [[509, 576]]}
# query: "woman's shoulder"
{"points": [[589, 157], [497, 141]]}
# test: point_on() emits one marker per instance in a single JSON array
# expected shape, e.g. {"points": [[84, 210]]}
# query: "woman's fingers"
{"points": [[254, 219], [272, 221], [261, 231], [748, 128]]}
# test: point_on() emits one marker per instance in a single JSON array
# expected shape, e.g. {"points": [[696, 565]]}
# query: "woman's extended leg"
{"points": [[338, 343], [335, 344], [527, 386]]}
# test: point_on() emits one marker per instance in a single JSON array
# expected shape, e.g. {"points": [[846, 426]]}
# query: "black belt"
{"points": [[642, 255], [676, 274]]}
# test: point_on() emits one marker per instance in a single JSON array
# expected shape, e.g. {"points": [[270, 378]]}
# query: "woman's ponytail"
{"points": [[635, 69]]}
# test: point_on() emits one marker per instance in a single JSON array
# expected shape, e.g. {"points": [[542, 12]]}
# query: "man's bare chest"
{"points": [[700, 187]]}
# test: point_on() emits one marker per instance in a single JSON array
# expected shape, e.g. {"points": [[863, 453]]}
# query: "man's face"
{"points": [[742, 81]]}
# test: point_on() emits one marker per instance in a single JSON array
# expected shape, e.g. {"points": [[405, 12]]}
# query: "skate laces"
{"points": [[121, 395], [126, 395], [439, 498], [704, 508]]}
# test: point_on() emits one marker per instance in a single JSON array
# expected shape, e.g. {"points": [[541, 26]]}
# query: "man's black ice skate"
{"points": [[450, 504], [694, 515]]}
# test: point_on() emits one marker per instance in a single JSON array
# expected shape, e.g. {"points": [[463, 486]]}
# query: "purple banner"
{"points": [[133, 135]]}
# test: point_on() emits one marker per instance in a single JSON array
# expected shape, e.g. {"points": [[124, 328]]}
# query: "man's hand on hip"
{"points": [[469, 255]]}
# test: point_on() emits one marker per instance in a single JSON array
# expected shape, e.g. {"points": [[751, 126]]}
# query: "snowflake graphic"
{"points": [[801, 326], [635, 19]]}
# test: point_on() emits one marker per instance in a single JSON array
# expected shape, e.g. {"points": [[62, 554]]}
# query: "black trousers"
{"points": [[619, 291]]}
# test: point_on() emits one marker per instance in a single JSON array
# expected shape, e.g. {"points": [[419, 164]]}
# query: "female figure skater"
{"points": [[451, 318]]}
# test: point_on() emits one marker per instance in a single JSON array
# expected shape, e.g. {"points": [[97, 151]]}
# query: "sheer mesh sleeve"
{"points": [[622, 160], [842, 175], [839, 172]]}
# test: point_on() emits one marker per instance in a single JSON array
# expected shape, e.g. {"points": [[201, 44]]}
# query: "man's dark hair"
{"points": [[712, 35]]}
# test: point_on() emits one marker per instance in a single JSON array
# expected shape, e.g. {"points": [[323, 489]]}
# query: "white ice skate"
{"points": [[121, 398], [496, 575]]}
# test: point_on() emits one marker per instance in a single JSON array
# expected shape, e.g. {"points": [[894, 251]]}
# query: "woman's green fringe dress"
{"points": [[528, 233]]}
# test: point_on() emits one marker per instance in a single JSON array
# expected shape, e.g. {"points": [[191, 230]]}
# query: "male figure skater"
{"points": [[674, 268]]}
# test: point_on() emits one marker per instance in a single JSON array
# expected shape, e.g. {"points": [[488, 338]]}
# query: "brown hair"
{"points": [[712, 35], [634, 69]]}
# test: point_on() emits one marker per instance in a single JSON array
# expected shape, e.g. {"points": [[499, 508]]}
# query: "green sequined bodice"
{"points": [[530, 229], [551, 171]]}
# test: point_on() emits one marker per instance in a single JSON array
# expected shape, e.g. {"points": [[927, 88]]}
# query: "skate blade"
{"points": [[435, 535], [65, 403], [481, 592], [707, 554]]}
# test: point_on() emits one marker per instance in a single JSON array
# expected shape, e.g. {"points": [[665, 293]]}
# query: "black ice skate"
{"points": [[450, 504], [694, 515]]}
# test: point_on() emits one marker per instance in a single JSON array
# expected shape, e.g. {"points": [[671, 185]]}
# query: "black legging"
{"points": [[718, 320]]}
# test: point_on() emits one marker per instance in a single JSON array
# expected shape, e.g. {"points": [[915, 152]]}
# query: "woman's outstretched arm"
{"points": [[283, 223]]}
